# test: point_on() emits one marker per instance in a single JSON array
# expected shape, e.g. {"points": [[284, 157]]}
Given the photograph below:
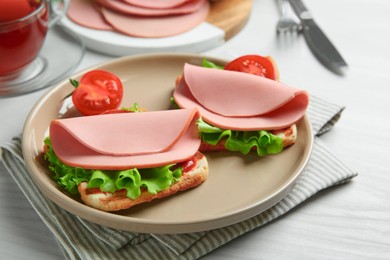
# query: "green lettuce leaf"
{"points": [[67, 177], [208, 64], [135, 108], [241, 141], [133, 180]]}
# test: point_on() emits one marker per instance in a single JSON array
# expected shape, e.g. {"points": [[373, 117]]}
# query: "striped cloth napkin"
{"points": [[80, 239]]}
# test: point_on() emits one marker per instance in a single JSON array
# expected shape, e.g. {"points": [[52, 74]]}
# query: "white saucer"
{"points": [[201, 38]]}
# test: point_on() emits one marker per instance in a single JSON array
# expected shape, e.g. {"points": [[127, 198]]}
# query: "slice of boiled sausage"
{"points": [[125, 8], [159, 4], [155, 27], [86, 13]]}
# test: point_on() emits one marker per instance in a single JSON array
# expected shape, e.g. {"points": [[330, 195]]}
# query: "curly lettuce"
{"points": [[262, 141], [209, 64], [133, 180]]}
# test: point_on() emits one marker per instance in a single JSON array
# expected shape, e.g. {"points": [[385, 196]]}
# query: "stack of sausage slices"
{"points": [[139, 18]]}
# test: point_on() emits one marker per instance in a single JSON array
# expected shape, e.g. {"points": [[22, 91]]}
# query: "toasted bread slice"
{"points": [[117, 201], [288, 135]]}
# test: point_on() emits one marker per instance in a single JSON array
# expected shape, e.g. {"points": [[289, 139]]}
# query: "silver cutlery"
{"points": [[318, 42], [288, 21]]}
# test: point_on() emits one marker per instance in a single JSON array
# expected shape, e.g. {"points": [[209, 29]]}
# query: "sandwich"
{"points": [[115, 161], [240, 111]]}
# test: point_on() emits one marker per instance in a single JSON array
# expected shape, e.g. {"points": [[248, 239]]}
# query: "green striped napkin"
{"points": [[80, 239]]}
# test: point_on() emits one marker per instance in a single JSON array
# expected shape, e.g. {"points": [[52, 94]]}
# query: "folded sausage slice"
{"points": [[126, 140], [240, 101]]}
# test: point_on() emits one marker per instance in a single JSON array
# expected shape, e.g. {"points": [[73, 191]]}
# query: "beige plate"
{"points": [[238, 187]]}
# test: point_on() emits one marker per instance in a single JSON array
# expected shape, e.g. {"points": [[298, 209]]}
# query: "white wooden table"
{"points": [[348, 222]]}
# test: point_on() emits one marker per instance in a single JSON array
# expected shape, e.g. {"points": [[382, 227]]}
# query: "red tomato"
{"points": [[97, 92], [254, 64], [186, 165]]}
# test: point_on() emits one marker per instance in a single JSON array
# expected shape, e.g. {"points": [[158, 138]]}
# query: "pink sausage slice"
{"points": [[126, 140], [240, 101], [155, 27], [86, 13], [157, 4], [125, 8]]}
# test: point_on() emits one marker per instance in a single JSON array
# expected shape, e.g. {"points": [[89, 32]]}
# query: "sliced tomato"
{"points": [[186, 165], [255, 64], [98, 91]]}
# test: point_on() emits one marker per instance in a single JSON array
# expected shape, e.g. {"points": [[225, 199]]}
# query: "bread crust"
{"points": [[118, 201], [288, 135]]}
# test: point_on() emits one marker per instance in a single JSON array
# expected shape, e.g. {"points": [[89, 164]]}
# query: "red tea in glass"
{"points": [[23, 27]]}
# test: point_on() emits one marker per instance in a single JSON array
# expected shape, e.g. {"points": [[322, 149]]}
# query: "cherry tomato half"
{"points": [[97, 92], [255, 64]]}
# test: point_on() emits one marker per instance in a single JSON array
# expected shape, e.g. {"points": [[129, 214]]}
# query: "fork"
{"points": [[288, 21]]}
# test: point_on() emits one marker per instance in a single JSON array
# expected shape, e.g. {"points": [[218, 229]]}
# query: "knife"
{"points": [[319, 44]]}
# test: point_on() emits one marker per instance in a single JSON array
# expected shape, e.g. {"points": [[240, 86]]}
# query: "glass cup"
{"points": [[21, 40]]}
